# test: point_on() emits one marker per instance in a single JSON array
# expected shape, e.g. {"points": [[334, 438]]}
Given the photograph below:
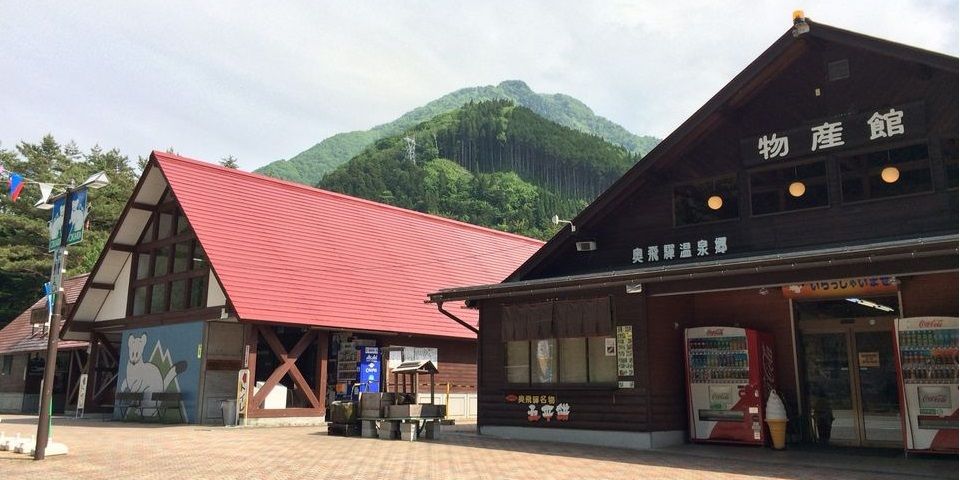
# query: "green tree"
{"points": [[24, 260], [230, 162]]}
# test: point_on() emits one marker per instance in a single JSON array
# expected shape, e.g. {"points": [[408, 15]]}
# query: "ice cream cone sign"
{"points": [[533, 414]]}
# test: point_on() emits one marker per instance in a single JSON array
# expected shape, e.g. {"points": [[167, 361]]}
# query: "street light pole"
{"points": [[53, 334], [97, 180]]}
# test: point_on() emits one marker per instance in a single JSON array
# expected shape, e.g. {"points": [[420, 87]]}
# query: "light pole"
{"points": [[95, 181]]}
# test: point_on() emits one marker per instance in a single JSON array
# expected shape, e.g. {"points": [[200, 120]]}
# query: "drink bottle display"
{"points": [[729, 374], [928, 360]]}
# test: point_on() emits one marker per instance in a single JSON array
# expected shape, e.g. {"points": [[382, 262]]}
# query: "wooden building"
{"points": [[814, 198], [23, 347], [211, 270]]}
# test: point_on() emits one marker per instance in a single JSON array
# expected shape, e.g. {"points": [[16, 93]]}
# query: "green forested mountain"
{"points": [[309, 166], [491, 163], [24, 260]]}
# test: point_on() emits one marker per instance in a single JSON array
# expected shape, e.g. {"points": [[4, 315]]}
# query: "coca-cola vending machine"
{"points": [[730, 373], [927, 365]]}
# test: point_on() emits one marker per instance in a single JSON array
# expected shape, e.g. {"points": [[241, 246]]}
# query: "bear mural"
{"points": [[161, 359]]}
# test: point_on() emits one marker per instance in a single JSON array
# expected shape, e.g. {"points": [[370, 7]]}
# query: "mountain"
{"points": [[309, 166], [491, 163]]}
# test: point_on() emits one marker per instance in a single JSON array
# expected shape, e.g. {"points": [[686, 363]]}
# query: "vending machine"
{"points": [[730, 373], [927, 365]]}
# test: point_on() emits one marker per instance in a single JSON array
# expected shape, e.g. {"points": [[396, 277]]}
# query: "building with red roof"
{"points": [[211, 270], [23, 343]]}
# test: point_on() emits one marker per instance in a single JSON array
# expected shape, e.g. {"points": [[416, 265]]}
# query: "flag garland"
{"points": [[17, 183]]}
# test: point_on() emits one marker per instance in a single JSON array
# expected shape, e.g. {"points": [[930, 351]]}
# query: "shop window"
{"points": [[885, 174], [706, 202], [6, 364], [561, 342], [948, 149], [787, 189], [170, 271]]}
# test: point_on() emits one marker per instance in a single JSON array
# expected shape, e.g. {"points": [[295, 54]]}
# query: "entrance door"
{"points": [[851, 381]]}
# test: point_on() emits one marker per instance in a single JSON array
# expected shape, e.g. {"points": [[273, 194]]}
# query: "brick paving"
{"points": [[104, 450]]}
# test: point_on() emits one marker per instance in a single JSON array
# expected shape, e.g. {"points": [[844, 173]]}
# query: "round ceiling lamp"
{"points": [[715, 202], [797, 189], [890, 174]]}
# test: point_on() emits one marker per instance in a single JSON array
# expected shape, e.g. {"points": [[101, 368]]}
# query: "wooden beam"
{"points": [[144, 206], [323, 340], [101, 286], [285, 412], [122, 248], [105, 343], [165, 318], [288, 366]]}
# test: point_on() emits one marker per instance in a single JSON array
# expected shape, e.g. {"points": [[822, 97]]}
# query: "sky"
{"points": [[263, 81]]}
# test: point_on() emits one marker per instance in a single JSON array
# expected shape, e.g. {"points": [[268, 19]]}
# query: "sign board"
{"points": [[869, 359], [838, 133], [625, 350], [78, 217], [81, 394], [846, 288], [243, 387], [369, 376], [56, 271]]}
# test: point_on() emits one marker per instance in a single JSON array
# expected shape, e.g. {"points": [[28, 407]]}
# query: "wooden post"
{"points": [[93, 378], [323, 340], [431, 389], [250, 347]]}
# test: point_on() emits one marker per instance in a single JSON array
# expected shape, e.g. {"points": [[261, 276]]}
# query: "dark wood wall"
{"points": [[598, 408], [788, 101], [457, 359], [930, 295]]}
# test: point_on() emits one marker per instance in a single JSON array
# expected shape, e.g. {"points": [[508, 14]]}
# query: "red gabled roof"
{"points": [[288, 253], [18, 335]]}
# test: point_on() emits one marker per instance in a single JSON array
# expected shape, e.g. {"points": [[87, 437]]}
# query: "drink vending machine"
{"points": [[927, 365], [730, 373]]}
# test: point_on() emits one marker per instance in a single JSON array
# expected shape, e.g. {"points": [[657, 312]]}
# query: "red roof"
{"points": [[18, 335], [288, 253]]}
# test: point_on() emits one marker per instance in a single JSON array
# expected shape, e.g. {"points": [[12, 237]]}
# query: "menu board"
{"points": [[625, 350]]}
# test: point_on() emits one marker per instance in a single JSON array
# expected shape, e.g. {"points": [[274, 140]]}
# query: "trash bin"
{"points": [[228, 408]]}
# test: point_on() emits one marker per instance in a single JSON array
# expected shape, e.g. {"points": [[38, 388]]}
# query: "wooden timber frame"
{"points": [[101, 367], [314, 394]]}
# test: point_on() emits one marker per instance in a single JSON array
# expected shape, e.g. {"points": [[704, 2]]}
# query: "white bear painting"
{"points": [[158, 360]]}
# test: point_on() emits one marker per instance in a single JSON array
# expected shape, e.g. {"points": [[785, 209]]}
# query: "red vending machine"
{"points": [[730, 372], [927, 365]]}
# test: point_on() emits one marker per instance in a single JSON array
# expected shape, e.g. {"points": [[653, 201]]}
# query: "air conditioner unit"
{"points": [[586, 246]]}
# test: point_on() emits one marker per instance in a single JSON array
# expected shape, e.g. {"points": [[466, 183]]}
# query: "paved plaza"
{"points": [[101, 449]]}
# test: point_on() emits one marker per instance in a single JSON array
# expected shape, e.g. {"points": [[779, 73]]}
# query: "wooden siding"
{"points": [[788, 101], [457, 359], [930, 295], [597, 408]]}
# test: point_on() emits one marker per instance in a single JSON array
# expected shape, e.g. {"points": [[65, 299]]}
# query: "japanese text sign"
{"points": [[838, 133]]}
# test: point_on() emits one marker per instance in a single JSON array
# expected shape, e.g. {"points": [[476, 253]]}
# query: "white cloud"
{"points": [[263, 82]]}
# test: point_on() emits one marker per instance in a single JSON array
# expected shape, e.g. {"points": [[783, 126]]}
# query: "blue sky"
{"points": [[262, 82]]}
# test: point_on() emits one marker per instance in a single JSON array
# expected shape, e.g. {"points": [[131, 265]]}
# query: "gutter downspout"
{"points": [[479, 355]]}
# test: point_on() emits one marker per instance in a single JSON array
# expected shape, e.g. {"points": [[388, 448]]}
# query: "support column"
{"points": [[252, 339], [323, 340], [93, 378]]}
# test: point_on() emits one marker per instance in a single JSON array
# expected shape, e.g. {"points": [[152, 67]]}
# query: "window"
{"points": [[6, 364], [170, 272], [787, 189], [560, 342], [948, 149], [706, 202], [885, 174]]}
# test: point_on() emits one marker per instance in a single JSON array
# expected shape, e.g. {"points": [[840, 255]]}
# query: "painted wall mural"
{"points": [[163, 359]]}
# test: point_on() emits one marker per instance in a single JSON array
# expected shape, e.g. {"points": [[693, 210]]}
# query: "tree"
{"points": [[24, 260], [230, 162]]}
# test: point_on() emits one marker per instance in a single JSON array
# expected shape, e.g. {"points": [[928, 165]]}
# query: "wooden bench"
{"points": [[166, 401], [128, 400]]}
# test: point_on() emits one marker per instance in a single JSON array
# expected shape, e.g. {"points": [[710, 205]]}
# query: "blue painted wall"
{"points": [[166, 359]]}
